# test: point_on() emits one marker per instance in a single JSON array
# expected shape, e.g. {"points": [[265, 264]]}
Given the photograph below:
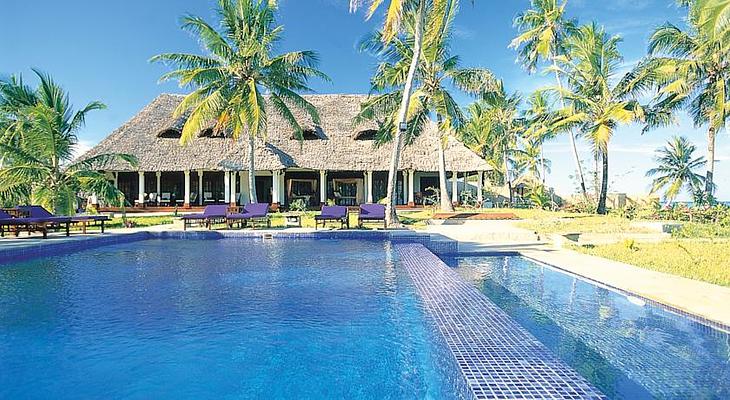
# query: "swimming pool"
{"points": [[627, 348], [218, 319]]}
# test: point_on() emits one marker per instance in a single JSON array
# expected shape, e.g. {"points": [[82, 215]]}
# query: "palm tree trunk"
{"points": [[445, 204], [574, 147], [251, 170], [445, 200], [711, 133], [507, 178], [604, 184], [542, 163], [391, 217]]}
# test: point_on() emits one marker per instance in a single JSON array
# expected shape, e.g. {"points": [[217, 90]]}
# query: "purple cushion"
{"points": [[193, 216], [256, 210], [372, 211], [332, 212], [218, 210], [36, 211]]}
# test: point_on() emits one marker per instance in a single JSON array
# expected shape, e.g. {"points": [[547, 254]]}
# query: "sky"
{"points": [[100, 51]]}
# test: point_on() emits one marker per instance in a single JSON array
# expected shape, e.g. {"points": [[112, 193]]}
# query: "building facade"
{"points": [[336, 162]]}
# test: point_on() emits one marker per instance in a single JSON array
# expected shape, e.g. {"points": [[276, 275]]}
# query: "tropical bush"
{"points": [[38, 145]]}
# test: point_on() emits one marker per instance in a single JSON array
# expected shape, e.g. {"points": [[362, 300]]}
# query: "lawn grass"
{"points": [[704, 260], [582, 224]]}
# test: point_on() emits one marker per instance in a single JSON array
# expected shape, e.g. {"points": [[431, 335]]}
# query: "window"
{"points": [[367, 134], [308, 134], [211, 133], [170, 133]]}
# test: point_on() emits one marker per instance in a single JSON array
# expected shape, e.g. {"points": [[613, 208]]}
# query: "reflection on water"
{"points": [[626, 348]]}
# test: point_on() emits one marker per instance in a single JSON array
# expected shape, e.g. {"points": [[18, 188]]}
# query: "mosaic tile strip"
{"points": [[498, 358]]}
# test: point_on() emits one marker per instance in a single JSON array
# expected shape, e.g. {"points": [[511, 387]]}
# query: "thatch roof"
{"points": [[333, 145]]}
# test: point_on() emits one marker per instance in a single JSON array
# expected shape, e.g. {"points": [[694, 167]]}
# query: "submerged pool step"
{"points": [[497, 357]]}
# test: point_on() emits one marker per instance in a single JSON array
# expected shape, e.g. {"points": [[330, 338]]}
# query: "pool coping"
{"points": [[497, 357], [22, 251]]}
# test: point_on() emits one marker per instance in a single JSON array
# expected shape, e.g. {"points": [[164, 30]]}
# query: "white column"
{"points": [[200, 187], [116, 180], [158, 175], [243, 186], [322, 187], [480, 186], [282, 187], [141, 188], [233, 198], [411, 184], [226, 187], [274, 186], [369, 183], [186, 202], [455, 187]]}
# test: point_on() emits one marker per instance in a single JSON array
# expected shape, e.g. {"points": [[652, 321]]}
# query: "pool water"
{"points": [[218, 319], [626, 348]]}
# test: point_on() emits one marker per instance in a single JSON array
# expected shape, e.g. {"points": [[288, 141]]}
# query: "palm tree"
{"points": [[692, 72], [436, 73], [540, 118], [598, 103], [676, 170], [38, 144], [397, 9], [493, 129], [543, 32], [239, 81], [712, 17]]}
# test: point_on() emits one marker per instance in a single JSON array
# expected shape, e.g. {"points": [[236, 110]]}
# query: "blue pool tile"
{"points": [[498, 358]]}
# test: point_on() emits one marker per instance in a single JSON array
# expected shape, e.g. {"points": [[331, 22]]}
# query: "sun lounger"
{"points": [[371, 213], [256, 212], [86, 221], [332, 214], [211, 215], [37, 219]]}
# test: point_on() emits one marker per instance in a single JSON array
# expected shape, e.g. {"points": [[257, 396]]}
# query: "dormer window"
{"points": [[367, 134], [211, 133], [308, 134], [170, 133]]}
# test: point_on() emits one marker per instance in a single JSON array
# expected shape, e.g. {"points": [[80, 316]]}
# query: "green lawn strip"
{"points": [[582, 224], [704, 260]]}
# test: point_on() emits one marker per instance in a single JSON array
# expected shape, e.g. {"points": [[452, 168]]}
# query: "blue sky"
{"points": [[100, 51]]}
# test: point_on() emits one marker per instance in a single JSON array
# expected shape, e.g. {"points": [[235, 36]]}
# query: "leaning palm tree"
{"points": [[691, 71], [397, 10], [239, 81], [544, 30], [38, 145], [438, 72], [676, 169], [598, 102]]}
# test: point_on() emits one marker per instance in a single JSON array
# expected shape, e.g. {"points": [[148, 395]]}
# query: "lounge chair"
{"points": [[38, 212], [208, 197], [211, 215], [332, 214], [371, 213], [7, 222], [165, 199], [256, 212], [38, 219]]}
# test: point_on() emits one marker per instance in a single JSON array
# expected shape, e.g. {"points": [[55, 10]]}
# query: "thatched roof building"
{"points": [[334, 147]]}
